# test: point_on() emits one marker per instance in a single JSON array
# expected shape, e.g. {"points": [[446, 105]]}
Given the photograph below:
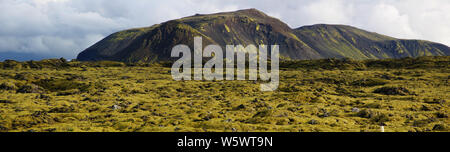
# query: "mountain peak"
{"points": [[252, 11], [247, 12], [325, 25], [253, 27]]}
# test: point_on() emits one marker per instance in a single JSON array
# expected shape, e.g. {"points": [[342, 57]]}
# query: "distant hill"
{"points": [[345, 41], [252, 26], [23, 56]]}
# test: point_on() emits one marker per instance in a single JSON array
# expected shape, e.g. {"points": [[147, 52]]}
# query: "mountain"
{"points": [[252, 26], [241, 27], [345, 41]]}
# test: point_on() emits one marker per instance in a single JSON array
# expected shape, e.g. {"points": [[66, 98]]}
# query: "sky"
{"points": [[63, 28]]}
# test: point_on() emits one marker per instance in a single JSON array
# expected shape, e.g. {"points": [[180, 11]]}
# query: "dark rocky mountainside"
{"points": [[255, 27]]}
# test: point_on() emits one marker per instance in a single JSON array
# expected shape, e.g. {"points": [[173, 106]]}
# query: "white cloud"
{"points": [[387, 18], [66, 27], [50, 27], [328, 11]]}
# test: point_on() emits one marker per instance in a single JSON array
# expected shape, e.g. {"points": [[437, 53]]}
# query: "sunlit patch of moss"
{"points": [[227, 28], [295, 37], [353, 40]]}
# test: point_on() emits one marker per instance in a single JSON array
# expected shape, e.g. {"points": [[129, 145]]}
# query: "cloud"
{"points": [[337, 11], [388, 19], [50, 27], [66, 27]]}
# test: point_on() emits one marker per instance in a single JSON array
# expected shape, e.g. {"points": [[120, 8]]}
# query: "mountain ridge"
{"points": [[251, 26], [363, 44]]}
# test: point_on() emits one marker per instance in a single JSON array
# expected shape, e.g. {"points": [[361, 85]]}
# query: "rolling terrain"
{"points": [[410, 94]]}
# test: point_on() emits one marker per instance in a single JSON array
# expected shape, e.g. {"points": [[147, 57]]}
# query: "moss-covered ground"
{"points": [[313, 96]]}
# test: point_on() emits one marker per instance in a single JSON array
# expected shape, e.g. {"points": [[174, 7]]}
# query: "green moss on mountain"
{"points": [[251, 26], [346, 41]]}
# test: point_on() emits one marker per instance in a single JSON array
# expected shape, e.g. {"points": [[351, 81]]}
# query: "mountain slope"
{"points": [[346, 41], [254, 27], [241, 27]]}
